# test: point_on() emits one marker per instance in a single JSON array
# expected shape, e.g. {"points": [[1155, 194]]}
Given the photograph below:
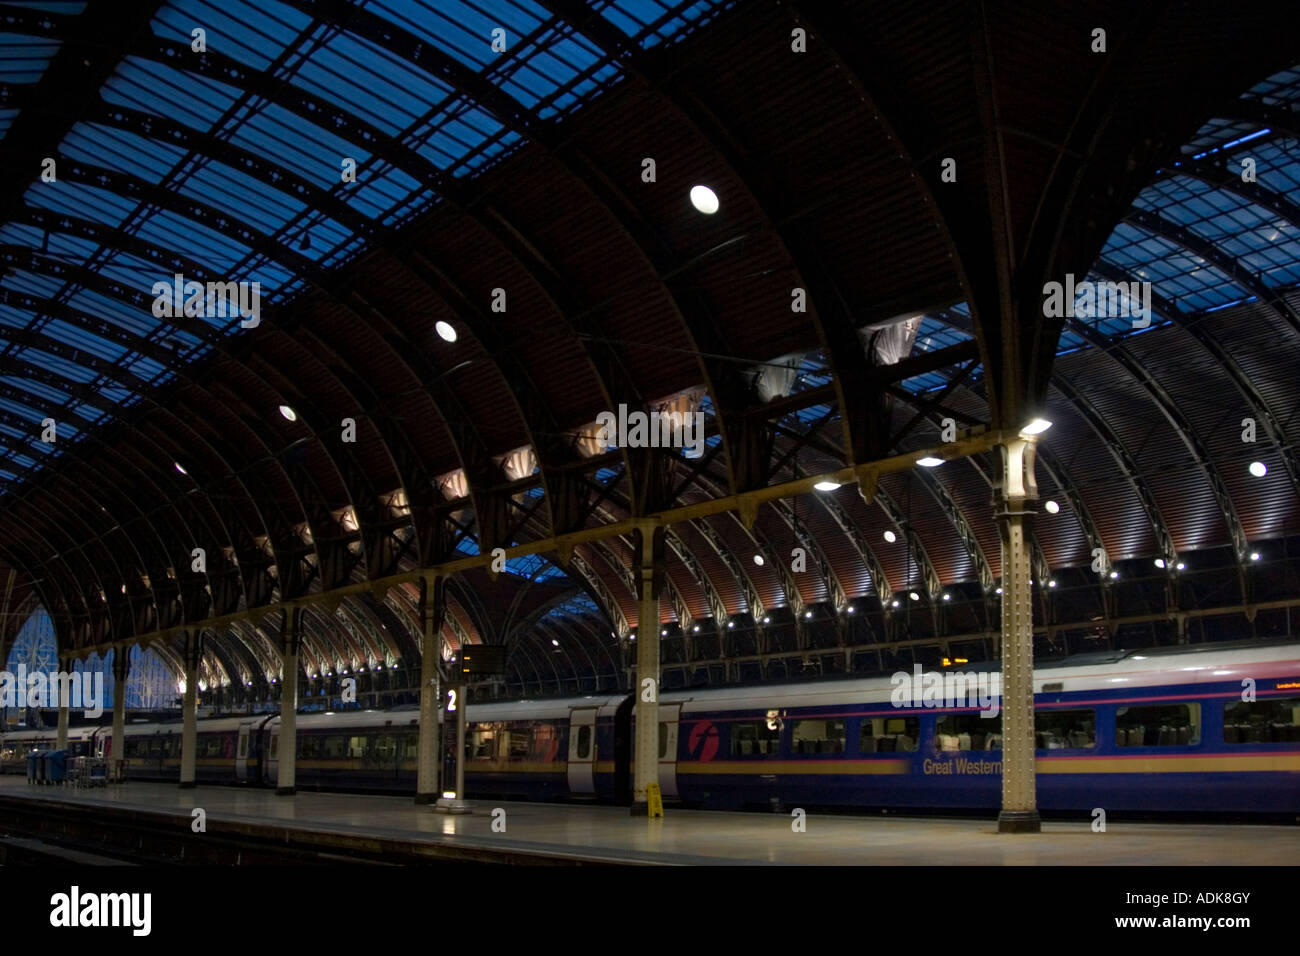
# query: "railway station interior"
{"points": [[649, 432]]}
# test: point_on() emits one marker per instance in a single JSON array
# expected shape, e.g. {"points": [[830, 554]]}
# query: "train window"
{"points": [[584, 742], [481, 741], [357, 746], [755, 738], [889, 734], [308, 747], [968, 732], [385, 748], [226, 745], [1262, 721], [410, 747], [1170, 725], [334, 747], [1060, 729], [546, 742], [134, 748], [818, 736], [518, 741]]}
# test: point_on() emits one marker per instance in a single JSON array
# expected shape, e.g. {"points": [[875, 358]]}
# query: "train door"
{"points": [[242, 747], [623, 752], [668, 714], [271, 759], [582, 750]]}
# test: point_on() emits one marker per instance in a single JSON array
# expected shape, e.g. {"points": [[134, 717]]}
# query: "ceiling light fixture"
{"points": [[288, 413], [826, 485], [891, 537], [1036, 427], [1258, 469], [1052, 507], [445, 331], [929, 462], [704, 199]]}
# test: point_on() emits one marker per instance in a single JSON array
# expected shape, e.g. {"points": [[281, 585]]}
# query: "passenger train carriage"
{"points": [[1153, 730]]}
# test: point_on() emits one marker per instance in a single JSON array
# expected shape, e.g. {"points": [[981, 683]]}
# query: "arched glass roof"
{"points": [[227, 157]]}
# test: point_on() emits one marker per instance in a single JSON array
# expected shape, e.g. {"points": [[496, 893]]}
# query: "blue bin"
{"points": [[33, 763], [56, 766]]}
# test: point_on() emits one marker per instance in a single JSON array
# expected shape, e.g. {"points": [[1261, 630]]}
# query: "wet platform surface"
{"points": [[610, 834]]}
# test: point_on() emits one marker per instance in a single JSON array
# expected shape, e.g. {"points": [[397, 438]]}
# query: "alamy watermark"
{"points": [[638, 429], [1112, 300], [83, 691], [75, 909], [212, 300], [950, 689]]}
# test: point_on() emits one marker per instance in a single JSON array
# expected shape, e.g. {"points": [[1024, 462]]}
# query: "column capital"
{"points": [[121, 662], [192, 649], [290, 631]]}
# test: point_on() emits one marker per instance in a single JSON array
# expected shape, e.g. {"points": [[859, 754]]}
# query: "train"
{"points": [[1196, 729]]}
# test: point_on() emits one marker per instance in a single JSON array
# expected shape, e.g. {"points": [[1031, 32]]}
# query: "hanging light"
{"points": [[704, 199], [929, 462], [1036, 427], [826, 485]]}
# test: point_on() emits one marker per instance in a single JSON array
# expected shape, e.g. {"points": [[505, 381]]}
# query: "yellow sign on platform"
{"points": [[654, 800]]}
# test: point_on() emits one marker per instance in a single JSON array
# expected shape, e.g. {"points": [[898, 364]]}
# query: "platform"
{"points": [[603, 834]]}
